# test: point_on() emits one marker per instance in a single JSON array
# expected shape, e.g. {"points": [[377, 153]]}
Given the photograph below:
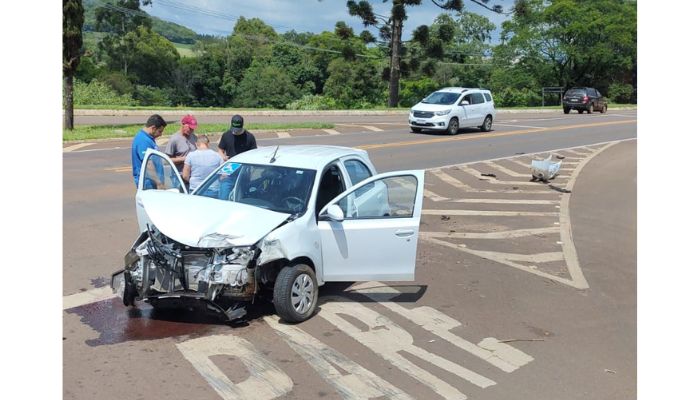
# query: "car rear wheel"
{"points": [[580, 111], [567, 110], [604, 109], [453, 127], [486, 126], [416, 130], [296, 293]]}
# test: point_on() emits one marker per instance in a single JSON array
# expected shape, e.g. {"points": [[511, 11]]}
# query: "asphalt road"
{"points": [[522, 290]]}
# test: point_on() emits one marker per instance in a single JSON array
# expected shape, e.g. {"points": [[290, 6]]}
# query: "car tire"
{"points": [[453, 127], [486, 126], [416, 130], [296, 293], [567, 110], [580, 111], [589, 109], [604, 109]]}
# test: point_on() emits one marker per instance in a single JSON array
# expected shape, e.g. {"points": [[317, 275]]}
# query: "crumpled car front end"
{"points": [[168, 274]]}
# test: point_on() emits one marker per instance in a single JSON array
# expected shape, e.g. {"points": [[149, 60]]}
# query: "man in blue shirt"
{"points": [[145, 139]]}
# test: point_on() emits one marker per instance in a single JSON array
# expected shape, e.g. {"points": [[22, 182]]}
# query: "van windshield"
{"points": [[443, 98]]}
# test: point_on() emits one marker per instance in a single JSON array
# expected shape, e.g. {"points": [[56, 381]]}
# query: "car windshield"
{"points": [[443, 98], [575, 92], [275, 188]]}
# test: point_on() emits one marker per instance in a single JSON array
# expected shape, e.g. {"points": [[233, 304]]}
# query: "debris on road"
{"points": [[610, 371], [444, 218], [544, 170], [491, 175], [520, 340]]}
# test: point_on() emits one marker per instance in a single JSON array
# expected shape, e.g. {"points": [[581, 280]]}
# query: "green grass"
{"points": [[91, 132], [185, 50]]}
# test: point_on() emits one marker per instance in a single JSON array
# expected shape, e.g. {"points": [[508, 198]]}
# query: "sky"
{"points": [[217, 17]]}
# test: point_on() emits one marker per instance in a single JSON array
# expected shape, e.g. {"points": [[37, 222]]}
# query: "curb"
{"points": [[122, 113]]}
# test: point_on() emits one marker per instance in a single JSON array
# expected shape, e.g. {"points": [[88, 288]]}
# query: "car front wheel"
{"points": [[486, 126], [567, 110], [415, 130], [453, 127], [296, 293]]}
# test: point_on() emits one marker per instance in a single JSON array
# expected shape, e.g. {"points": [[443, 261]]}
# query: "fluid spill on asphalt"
{"points": [[117, 323]]}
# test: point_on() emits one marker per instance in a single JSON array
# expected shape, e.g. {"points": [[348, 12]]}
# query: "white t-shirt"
{"points": [[202, 163]]}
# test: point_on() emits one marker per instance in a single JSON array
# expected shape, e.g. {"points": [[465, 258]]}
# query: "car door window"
{"points": [[357, 171], [476, 98], [390, 197], [159, 174], [331, 186], [597, 93]]}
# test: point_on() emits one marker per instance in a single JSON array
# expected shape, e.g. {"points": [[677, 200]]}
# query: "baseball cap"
{"points": [[190, 121], [236, 124]]}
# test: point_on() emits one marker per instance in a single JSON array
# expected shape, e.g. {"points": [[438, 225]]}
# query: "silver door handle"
{"points": [[404, 232]]}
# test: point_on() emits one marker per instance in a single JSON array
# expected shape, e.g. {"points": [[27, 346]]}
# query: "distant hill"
{"points": [[174, 32]]}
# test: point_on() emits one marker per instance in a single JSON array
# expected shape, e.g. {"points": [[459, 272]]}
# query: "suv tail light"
{"points": [[585, 99]]}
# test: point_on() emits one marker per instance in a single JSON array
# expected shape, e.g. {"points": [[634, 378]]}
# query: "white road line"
{"points": [[87, 297], [501, 201], [506, 170], [443, 176], [491, 213], [495, 181], [283, 135], [76, 147], [491, 350], [331, 131], [517, 233], [432, 196], [372, 128], [522, 126]]}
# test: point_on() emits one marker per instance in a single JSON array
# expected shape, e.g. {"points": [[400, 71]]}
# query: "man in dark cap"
{"points": [[236, 140]]}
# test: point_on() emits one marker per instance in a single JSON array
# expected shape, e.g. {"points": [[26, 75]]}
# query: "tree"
{"points": [[391, 28], [118, 19], [72, 43], [265, 86]]}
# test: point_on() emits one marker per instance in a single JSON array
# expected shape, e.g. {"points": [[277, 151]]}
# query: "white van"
{"points": [[452, 108]]}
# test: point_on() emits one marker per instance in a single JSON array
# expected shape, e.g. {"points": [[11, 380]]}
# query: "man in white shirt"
{"points": [[200, 163]]}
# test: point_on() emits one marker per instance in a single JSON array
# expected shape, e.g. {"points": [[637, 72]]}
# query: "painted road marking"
{"points": [[331, 131], [283, 135], [87, 297], [489, 134], [355, 382], [525, 262], [491, 350], [468, 189], [388, 340], [492, 180], [372, 128], [266, 380], [482, 213], [76, 147], [522, 126], [505, 170]]}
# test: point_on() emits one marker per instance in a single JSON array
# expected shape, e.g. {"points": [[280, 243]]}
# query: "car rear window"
{"points": [[488, 96], [575, 92]]}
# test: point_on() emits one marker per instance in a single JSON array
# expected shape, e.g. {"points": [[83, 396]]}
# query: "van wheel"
{"points": [[453, 127], [296, 293], [416, 130], [486, 126]]}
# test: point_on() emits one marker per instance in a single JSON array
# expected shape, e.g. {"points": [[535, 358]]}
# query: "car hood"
{"points": [[431, 107], [199, 221]]}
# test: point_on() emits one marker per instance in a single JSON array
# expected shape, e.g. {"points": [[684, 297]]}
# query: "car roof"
{"points": [[461, 90], [300, 156]]}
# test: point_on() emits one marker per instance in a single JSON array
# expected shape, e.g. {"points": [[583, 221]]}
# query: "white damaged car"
{"points": [[271, 222]]}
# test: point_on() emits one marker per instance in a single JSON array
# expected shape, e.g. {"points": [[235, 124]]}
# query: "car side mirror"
{"points": [[334, 213]]}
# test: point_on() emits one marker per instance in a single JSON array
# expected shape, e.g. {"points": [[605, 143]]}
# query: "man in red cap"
{"points": [[182, 142]]}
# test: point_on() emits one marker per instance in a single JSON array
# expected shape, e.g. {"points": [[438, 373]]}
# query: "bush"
{"points": [[414, 91], [265, 86], [621, 93], [510, 97], [98, 93], [153, 96], [311, 102]]}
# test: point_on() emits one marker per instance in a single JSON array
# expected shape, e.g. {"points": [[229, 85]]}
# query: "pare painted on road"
{"points": [[385, 338]]}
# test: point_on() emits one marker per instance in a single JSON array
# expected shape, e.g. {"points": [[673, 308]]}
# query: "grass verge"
{"points": [[91, 132]]}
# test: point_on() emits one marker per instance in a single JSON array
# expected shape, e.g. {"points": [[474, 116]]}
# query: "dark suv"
{"points": [[584, 99]]}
